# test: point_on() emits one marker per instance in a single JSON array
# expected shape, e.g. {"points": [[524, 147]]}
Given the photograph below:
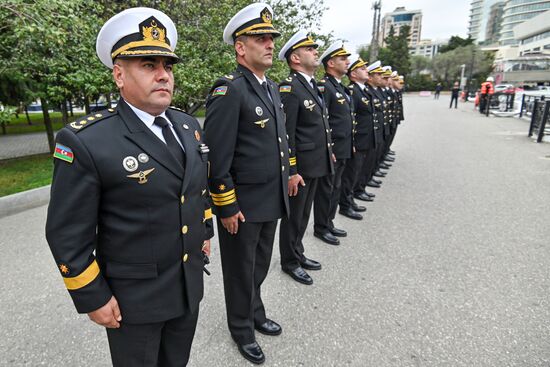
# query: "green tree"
{"points": [[396, 52], [456, 42]]}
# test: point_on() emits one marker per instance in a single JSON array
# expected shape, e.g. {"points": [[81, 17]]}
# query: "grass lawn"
{"points": [[25, 173], [20, 126]]}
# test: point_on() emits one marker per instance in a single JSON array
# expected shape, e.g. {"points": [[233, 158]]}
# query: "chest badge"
{"points": [[259, 111], [308, 103], [143, 158], [130, 164], [185, 126], [141, 176], [261, 123], [197, 135]]}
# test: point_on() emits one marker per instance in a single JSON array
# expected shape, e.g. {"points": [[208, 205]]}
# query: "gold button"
{"points": [[282, 154], [280, 140], [328, 145], [182, 199], [327, 130], [185, 257], [282, 168], [184, 229], [289, 151]]}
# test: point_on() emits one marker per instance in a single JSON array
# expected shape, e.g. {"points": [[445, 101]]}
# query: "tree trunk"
{"points": [[87, 105], [28, 117], [3, 124], [71, 107], [64, 115], [49, 127]]}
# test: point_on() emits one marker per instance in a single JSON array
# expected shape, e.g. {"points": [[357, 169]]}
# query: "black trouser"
{"points": [[380, 152], [245, 262], [453, 98], [366, 171], [482, 103], [349, 178], [165, 344], [326, 198], [292, 229], [390, 138]]}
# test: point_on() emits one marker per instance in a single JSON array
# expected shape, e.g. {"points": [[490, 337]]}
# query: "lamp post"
{"points": [[462, 80]]}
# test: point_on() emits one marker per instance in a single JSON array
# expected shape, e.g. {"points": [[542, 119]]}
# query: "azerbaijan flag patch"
{"points": [[64, 153]]}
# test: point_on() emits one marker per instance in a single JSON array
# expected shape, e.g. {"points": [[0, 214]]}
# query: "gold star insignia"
{"points": [[64, 269], [221, 187]]}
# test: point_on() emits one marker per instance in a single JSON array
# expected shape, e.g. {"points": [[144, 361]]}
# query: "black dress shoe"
{"points": [[350, 213], [338, 232], [362, 196], [252, 352], [299, 275], [377, 181], [358, 208], [310, 264], [372, 183], [385, 166], [379, 174], [389, 159], [391, 152], [370, 194], [269, 327], [328, 238]]}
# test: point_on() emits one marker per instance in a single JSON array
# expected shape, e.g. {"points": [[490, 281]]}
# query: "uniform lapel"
{"points": [[309, 88], [143, 137], [190, 144], [258, 89]]}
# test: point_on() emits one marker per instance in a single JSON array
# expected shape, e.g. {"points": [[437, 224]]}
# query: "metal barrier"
{"points": [[539, 119], [504, 102], [527, 104]]}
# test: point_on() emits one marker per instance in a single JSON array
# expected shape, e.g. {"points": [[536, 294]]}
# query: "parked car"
{"points": [[504, 88]]}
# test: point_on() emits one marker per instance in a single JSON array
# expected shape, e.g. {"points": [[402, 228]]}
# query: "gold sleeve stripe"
{"points": [[292, 161], [207, 214], [215, 201], [225, 202], [224, 195], [85, 278]]}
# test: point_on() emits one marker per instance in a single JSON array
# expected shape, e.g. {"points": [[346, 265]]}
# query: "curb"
{"points": [[16, 203]]}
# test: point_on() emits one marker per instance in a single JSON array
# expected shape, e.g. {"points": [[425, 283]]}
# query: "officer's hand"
{"points": [[232, 223], [333, 158], [206, 247], [108, 315], [293, 182]]}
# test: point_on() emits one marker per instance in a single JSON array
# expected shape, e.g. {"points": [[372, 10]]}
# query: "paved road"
{"points": [[449, 268]]}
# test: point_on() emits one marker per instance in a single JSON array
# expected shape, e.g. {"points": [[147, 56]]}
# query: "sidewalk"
{"points": [[448, 268]]}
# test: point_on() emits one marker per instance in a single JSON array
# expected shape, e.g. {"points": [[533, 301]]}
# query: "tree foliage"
{"points": [[396, 52], [456, 42]]}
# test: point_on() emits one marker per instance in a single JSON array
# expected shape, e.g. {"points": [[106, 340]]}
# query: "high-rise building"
{"points": [[427, 47], [517, 12], [401, 17], [485, 20]]}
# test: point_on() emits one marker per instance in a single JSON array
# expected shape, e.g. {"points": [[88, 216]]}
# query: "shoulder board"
{"points": [[289, 79], [232, 76], [322, 81], [86, 121]]}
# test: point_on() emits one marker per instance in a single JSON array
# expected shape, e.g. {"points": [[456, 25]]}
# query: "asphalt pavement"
{"points": [[450, 267]]}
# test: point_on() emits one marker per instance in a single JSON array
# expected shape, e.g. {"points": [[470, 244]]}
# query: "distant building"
{"points": [[427, 48], [485, 20], [398, 18], [528, 62], [517, 12]]}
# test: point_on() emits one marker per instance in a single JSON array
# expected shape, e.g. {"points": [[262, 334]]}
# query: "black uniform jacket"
{"points": [[127, 198], [378, 105], [365, 117], [340, 109], [249, 162], [400, 105], [309, 137]]}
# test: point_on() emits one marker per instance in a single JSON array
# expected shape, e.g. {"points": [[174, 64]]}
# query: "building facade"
{"points": [[517, 12], [398, 18], [427, 48]]}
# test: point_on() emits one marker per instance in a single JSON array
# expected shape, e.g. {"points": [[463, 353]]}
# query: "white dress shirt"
{"points": [[149, 121]]}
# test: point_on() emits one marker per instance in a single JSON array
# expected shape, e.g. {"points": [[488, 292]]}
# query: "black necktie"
{"points": [[266, 90], [316, 89], [173, 146]]}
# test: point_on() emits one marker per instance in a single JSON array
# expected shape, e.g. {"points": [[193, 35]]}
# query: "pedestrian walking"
{"points": [[455, 91], [438, 89]]}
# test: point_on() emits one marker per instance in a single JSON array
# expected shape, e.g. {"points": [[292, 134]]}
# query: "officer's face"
{"points": [[308, 57], [256, 51], [360, 74], [340, 64], [377, 79], [145, 82]]}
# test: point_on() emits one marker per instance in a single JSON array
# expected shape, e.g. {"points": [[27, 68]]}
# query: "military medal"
{"points": [[197, 135], [259, 111], [308, 103], [130, 164], [261, 123], [143, 158], [186, 127], [141, 176]]}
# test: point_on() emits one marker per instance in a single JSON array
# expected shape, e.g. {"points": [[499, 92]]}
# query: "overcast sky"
{"points": [[352, 19]]}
